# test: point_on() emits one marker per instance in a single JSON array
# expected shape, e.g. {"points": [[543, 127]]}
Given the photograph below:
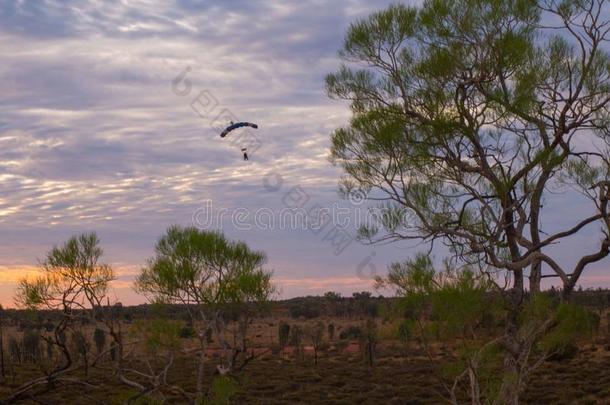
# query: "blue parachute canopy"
{"points": [[235, 126]]}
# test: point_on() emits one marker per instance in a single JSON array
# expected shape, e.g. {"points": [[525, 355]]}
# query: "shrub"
{"points": [[564, 352], [405, 331], [208, 336], [304, 311], [331, 331], [352, 332], [14, 349], [80, 344], [186, 332], [99, 338], [30, 345], [283, 333], [222, 390]]}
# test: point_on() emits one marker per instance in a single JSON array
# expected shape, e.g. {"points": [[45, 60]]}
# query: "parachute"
{"points": [[235, 126]]}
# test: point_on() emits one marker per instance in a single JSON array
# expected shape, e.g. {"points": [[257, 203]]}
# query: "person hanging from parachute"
{"points": [[233, 126]]}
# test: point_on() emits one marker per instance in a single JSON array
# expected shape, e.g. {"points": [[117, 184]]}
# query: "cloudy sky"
{"points": [[109, 121]]}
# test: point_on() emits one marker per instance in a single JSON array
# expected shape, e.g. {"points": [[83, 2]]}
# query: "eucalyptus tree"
{"points": [[74, 283], [208, 274], [467, 117]]}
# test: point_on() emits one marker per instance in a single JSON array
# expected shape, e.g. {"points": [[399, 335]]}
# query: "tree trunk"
{"points": [[535, 277], [510, 390], [201, 367], [511, 386]]}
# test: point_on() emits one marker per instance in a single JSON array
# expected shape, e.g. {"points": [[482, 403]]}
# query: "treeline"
{"points": [[332, 304]]}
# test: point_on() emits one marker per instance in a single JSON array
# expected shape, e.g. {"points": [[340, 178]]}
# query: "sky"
{"points": [[109, 122]]}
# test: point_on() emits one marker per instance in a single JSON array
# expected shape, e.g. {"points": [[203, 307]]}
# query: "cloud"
{"points": [[92, 137]]}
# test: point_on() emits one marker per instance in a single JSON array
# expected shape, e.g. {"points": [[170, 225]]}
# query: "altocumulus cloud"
{"points": [[93, 138]]}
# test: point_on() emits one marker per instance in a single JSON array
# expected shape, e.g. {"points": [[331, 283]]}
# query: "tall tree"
{"points": [[467, 116], [209, 274]]}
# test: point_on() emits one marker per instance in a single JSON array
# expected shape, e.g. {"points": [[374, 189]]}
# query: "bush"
{"points": [[331, 331], [222, 390], [283, 333], [99, 338], [30, 345], [304, 311], [80, 345], [208, 336], [186, 332], [352, 332], [14, 349], [564, 352], [405, 331]]}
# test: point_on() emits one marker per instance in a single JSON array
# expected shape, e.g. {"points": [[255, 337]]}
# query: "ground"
{"points": [[399, 376]]}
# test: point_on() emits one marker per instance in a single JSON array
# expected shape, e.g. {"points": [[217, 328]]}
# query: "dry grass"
{"points": [[398, 377]]}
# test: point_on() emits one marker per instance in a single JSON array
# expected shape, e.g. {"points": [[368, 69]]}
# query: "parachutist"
{"points": [[245, 156]]}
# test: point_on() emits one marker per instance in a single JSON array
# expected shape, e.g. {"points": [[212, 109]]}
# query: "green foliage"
{"points": [[332, 295], [204, 267], [456, 300], [450, 306], [571, 322], [71, 274], [222, 390], [159, 335], [453, 120], [406, 330]]}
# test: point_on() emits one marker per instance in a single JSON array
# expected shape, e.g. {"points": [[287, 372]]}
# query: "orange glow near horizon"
{"points": [[122, 290]]}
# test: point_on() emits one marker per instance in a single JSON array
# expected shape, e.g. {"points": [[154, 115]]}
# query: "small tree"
{"points": [[159, 341], [75, 285], [99, 338], [14, 349], [208, 274], [368, 341], [331, 331], [296, 339], [315, 333], [450, 306], [30, 345], [283, 333]]}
